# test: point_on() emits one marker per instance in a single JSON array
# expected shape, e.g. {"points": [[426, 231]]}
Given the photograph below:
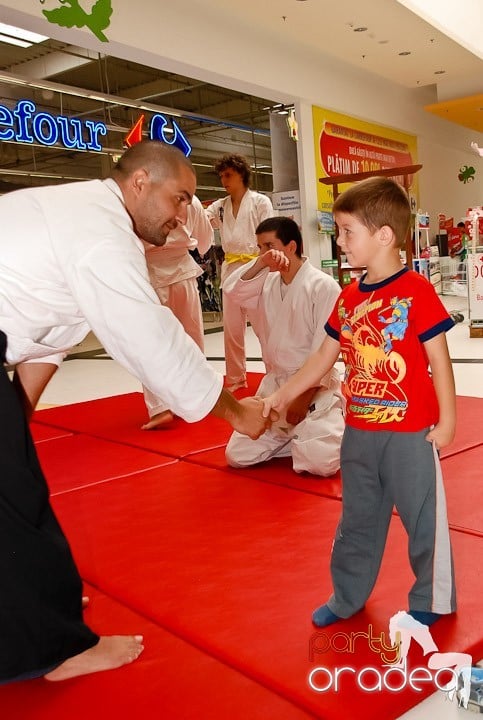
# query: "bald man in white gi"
{"points": [[292, 300], [237, 217], [71, 259], [173, 274]]}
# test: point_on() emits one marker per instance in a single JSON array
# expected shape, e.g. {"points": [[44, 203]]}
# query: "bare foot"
{"points": [[111, 652], [160, 420], [85, 601]]}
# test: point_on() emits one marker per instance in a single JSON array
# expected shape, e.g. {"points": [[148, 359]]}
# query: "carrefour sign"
{"points": [[24, 124]]}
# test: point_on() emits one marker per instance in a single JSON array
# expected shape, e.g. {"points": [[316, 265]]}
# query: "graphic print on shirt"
{"points": [[374, 369], [397, 323]]}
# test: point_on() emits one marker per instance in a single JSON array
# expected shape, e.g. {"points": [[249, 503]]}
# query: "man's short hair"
{"points": [[234, 162], [285, 230], [157, 158], [376, 202]]}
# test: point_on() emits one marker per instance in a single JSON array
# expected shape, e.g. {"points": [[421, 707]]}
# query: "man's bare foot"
{"points": [[158, 421], [112, 651]]}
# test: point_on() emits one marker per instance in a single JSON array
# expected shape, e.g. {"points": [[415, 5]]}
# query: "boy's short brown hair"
{"points": [[376, 202], [235, 162]]}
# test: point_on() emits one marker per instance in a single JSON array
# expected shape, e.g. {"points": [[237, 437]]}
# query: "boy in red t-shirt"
{"points": [[389, 326]]}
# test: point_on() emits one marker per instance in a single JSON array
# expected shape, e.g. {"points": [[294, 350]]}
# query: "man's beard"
{"points": [[158, 241]]}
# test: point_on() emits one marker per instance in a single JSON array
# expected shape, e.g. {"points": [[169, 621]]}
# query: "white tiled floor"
{"points": [[87, 379]]}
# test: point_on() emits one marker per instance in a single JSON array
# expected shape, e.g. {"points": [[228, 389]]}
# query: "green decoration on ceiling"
{"points": [[71, 14]]}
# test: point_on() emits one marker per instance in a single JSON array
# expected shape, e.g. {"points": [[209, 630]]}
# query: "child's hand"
{"points": [[441, 435], [273, 404]]}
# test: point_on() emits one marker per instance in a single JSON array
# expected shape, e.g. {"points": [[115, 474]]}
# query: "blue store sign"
{"points": [[24, 124]]}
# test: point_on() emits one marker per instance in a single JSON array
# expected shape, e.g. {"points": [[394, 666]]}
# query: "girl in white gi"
{"points": [[237, 217], [292, 300], [173, 273]]}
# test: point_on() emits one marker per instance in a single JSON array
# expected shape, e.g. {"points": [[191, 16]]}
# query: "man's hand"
{"points": [[274, 260], [246, 415], [250, 420]]}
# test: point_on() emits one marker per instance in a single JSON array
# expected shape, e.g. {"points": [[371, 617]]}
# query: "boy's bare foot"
{"points": [[111, 652], [158, 421]]}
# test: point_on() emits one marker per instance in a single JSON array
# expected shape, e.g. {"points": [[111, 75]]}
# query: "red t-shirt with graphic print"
{"points": [[382, 329]]}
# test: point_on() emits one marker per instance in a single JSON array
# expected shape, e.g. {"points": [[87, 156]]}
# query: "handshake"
{"points": [[252, 416]]}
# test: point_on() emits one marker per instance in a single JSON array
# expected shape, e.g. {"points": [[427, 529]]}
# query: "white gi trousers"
{"points": [[234, 326], [314, 443]]}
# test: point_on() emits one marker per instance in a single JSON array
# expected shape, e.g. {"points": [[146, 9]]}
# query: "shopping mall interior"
{"points": [[222, 587]]}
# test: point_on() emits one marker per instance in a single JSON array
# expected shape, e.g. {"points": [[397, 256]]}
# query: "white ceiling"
{"points": [[328, 28]]}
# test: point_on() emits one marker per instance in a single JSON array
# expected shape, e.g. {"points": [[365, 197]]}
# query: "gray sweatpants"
{"points": [[381, 470]]}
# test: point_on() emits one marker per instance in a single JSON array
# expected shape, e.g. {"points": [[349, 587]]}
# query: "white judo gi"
{"points": [[290, 323], [173, 272], [239, 243], [70, 261], [78, 265]]}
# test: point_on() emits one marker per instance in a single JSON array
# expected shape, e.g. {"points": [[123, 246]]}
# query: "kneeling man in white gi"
{"points": [[292, 300]]}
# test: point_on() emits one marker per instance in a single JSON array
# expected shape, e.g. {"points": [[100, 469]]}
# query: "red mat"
{"points": [[171, 679], [236, 566], [41, 433], [469, 424], [462, 480], [278, 471], [119, 418], [74, 461], [461, 473]]}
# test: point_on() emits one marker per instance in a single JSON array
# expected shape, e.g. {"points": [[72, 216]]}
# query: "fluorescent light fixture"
{"points": [[21, 34], [13, 80], [14, 41], [33, 173]]}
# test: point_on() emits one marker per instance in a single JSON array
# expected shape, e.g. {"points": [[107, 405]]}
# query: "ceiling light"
{"points": [[14, 41], [34, 173], [21, 34], [13, 80], [360, 29], [405, 52]]}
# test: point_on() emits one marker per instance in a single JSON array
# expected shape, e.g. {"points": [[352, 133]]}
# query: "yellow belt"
{"points": [[243, 257]]}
